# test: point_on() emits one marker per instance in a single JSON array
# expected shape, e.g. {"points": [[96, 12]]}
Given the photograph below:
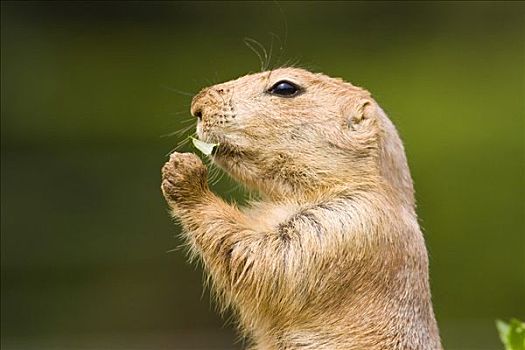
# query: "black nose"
{"points": [[198, 114]]}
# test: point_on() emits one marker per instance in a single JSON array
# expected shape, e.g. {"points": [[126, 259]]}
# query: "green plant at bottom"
{"points": [[512, 334]]}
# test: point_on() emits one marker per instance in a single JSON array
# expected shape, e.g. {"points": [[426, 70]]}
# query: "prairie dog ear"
{"points": [[359, 111]]}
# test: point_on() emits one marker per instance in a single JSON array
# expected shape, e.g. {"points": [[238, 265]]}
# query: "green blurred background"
{"points": [[87, 94]]}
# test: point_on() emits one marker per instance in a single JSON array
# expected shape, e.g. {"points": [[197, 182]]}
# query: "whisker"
{"points": [[214, 174], [217, 79], [281, 49], [170, 152], [269, 55], [234, 188], [250, 43], [180, 92], [169, 134], [182, 143], [219, 178], [179, 132], [189, 120], [178, 112], [285, 27]]}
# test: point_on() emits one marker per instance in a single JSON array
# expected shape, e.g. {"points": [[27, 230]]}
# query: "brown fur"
{"points": [[332, 257]]}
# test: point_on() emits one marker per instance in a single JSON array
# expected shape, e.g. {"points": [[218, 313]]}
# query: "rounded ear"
{"points": [[359, 111]]}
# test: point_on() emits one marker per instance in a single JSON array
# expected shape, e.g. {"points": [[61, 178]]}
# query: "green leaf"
{"points": [[204, 147], [503, 330], [512, 334]]}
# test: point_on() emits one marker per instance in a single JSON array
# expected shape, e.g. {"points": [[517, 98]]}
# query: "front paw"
{"points": [[184, 179]]}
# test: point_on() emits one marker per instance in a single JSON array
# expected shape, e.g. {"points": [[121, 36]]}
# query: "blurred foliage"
{"points": [[512, 334], [88, 89]]}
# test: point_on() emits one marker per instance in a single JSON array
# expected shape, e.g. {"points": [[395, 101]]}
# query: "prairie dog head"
{"points": [[292, 134]]}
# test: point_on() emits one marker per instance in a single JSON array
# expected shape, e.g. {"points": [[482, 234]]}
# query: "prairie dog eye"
{"points": [[284, 88]]}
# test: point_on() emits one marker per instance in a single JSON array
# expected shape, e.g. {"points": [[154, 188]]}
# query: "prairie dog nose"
{"points": [[197, 104], [197, 113], [204, 103]]}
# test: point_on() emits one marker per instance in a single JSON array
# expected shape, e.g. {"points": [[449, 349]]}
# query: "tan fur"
{"points": [[332, 257]]}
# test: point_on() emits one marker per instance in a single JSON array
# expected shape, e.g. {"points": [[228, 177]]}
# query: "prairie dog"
{"points": [[332, 256]]}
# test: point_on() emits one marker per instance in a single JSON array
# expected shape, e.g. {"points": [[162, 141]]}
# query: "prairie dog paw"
{"points": [[184, 178]]}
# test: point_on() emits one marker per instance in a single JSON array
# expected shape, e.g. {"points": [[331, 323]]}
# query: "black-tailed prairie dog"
{"points": [[332, 256]]}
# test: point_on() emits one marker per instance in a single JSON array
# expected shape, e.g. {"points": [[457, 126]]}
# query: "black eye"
{"points": [[284, 88]]}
